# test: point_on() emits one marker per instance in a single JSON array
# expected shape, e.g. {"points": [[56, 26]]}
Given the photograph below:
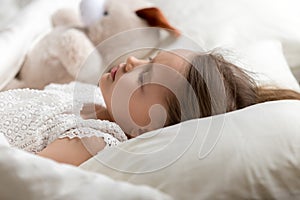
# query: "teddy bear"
{"points": [[69, 51]]}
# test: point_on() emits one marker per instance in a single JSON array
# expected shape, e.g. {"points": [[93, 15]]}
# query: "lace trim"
{"points": [[73, 126], [86, 132], [104, 126]]}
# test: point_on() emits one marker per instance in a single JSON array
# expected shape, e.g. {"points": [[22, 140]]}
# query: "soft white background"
{"points": [[9, 8]]}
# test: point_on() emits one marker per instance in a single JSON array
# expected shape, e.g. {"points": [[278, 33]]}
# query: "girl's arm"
{"points": [[73, 151]]}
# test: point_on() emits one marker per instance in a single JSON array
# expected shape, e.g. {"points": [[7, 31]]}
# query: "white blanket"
{"points": [[3, 140], [27, 176]]}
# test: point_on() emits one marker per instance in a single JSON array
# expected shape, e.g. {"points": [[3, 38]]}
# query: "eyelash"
{"points": [[141, 77]]}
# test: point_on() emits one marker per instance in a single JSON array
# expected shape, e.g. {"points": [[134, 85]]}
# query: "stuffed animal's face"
{"points": [[117, 16], [121, 16], [91, 11]]}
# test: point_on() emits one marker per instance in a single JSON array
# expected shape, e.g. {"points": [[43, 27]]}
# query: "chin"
{"points": [[102, 85], [104, 88], [103, 82]]}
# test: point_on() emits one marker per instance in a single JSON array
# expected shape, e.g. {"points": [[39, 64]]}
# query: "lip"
{"points": [[113, 72]]}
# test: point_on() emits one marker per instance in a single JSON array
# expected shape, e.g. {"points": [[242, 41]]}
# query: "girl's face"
{"points": [[135, 92]]}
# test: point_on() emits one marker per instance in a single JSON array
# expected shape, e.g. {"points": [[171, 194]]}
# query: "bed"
{"points": [[253, 153]]}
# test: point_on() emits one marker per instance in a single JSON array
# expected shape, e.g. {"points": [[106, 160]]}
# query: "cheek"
{"points": [[147, 108], [118, 96], [139, 109]]}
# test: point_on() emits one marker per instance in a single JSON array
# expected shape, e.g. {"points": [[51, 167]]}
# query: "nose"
{"points": [[133, 62]]}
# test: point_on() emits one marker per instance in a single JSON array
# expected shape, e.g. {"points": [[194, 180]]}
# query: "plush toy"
{"points": [[68, 53]]}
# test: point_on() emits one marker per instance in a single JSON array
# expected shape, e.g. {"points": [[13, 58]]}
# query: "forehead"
{"points": [[168, 71], [177, 59]]}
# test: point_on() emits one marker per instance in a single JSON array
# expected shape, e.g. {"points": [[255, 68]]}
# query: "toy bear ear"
{"points": [[155, 18]]}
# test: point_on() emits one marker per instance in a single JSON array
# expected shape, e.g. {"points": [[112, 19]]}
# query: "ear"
{"points": [[155, 18]]}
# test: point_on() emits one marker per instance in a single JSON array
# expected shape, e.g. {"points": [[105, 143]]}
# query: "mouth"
{"points": [[113, 72]]}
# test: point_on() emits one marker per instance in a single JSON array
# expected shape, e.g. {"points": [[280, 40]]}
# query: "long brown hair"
{"points": [[219, 87]]}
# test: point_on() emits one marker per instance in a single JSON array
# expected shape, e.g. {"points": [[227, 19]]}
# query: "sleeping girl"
{"points": [[140, 96]]}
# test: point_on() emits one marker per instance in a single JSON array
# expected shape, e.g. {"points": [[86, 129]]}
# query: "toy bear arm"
{"points": [[73, 49]]}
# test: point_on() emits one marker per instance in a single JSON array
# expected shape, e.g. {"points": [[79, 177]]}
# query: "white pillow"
{"points": [[216, 23], [267, 64], [247, 154], [27, 176], [30, 24]]}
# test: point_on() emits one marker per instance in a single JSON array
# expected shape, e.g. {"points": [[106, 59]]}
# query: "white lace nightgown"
{"points": [[32, 119]]}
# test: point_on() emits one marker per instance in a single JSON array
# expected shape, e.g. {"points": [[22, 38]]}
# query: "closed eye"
{"points": [[144, 76]]}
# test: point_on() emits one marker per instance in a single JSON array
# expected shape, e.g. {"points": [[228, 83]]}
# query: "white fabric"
{"points": [[32, 119], [16, 38], [10, 8], [266, 63], [3, 140], [247, 154], [237, 23], [27, 176]]}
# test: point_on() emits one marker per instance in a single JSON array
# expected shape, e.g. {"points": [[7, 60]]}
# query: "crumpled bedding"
{"points": [[27, 176]]}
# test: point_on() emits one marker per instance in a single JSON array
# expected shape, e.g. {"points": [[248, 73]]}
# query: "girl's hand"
{"points": [[102, 113], [95, 111]]}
